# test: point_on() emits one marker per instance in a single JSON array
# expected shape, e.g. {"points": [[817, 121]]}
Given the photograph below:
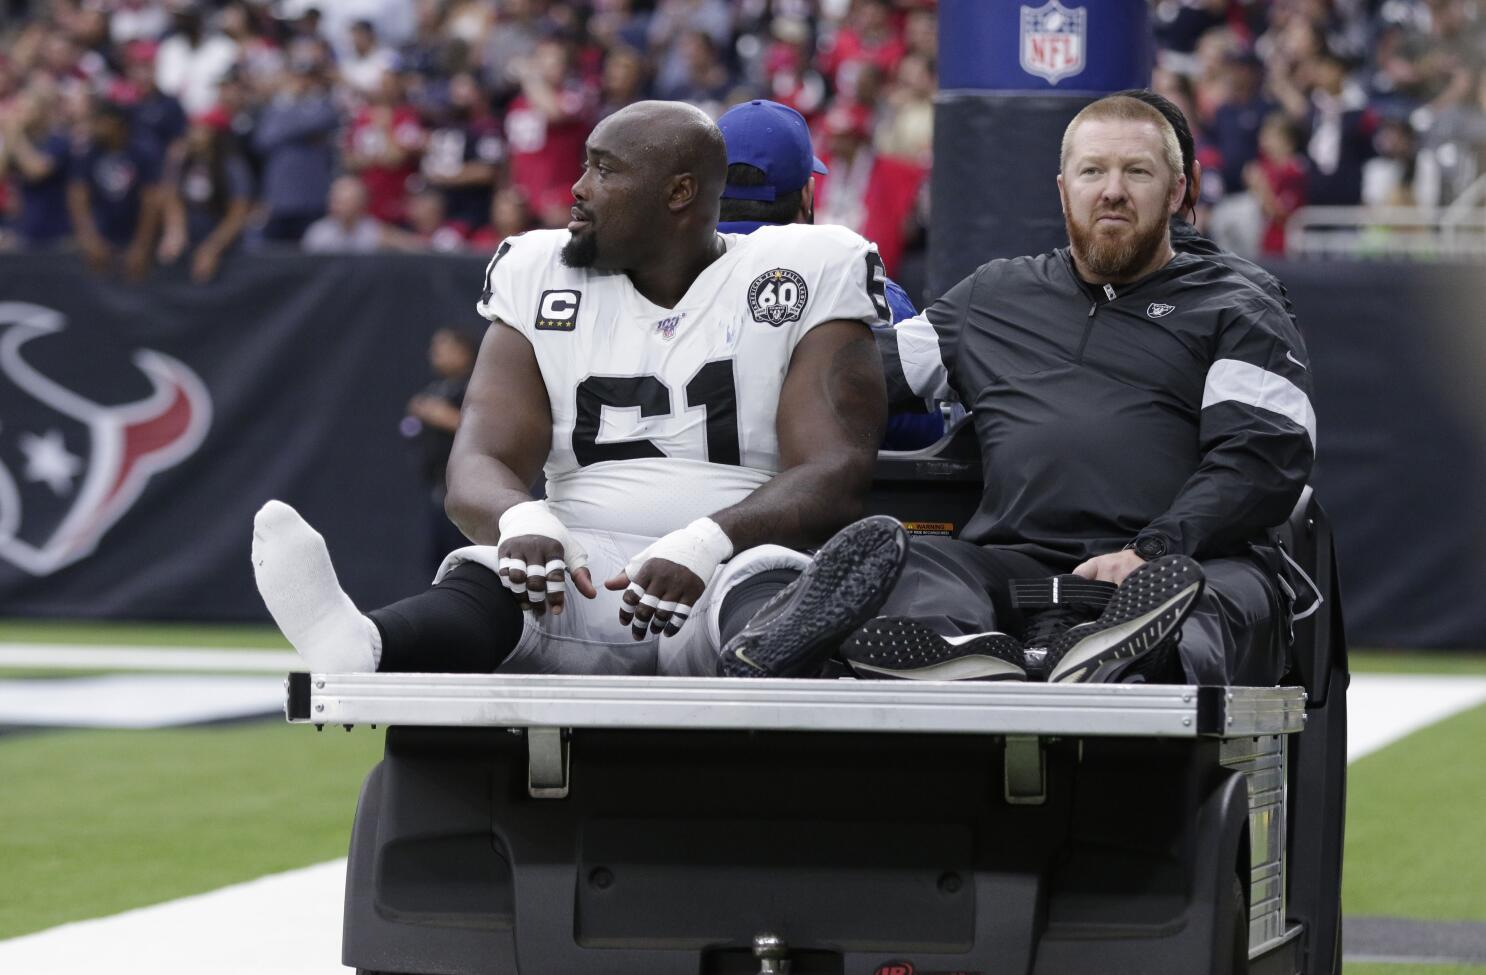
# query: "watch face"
{"points": [[1150, 547]]}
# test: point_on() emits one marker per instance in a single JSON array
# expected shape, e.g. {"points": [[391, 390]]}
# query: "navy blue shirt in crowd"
{"points": [[115, 181], [905, 431], [159, 120], [1235, 132], [43, 218]]}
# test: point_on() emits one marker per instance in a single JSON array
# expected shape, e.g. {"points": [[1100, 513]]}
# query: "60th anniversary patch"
{"points": [[777, 296]]}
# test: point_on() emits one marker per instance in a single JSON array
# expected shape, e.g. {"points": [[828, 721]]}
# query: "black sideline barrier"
{"points": [[127, 491]]}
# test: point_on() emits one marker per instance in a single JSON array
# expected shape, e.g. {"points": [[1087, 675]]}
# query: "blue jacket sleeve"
{"points": [[908, 431]]}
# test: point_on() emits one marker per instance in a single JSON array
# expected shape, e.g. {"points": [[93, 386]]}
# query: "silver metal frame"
{"points": [[704, 703]]}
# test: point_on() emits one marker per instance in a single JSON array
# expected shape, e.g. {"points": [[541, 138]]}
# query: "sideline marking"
{"points": [[286, 923], [63, 656], [1382, 708], [132, 701]]}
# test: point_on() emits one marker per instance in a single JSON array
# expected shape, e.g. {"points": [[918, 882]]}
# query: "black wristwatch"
{"points": [[1150, 545]]}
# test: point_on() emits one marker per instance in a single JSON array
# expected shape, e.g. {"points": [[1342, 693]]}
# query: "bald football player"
{"points": [[703, 405]]}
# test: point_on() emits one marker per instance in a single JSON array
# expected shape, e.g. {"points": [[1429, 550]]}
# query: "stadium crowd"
{"points": [[161, 131]]}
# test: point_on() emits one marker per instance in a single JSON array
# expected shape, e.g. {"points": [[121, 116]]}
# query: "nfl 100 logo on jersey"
{"points": [[777, 296]]}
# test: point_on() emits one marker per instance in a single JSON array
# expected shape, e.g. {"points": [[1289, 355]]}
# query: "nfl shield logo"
{"points": [[1054, 39]]}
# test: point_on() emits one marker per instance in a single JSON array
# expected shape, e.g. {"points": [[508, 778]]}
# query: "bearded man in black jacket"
{"points": [[1143, 414]]}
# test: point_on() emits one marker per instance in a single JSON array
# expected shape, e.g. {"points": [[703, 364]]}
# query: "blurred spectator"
{"points": [[34, 150], [546, 127], [705, 81], [395, 20], [207, 194], [1388, 178], [295, 138], [191, 62], [624, 81], [113, 193], [868, 39], [137, 20], [908, 128], [1254, 223], [158, 117], [1277, 180], [428, 226], [463, 155], [432, 417], [674, 19], [383, 144], [509, 43], [348, 228], [873, 194], [1341, 126], [1236, 121], [364, 68], [509, 216]]}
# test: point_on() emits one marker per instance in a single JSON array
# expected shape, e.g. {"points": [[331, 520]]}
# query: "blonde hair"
{"points": [[1123, 108]]}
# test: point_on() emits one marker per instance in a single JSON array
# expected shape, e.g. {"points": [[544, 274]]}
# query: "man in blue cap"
{"points": [[770, 181]]}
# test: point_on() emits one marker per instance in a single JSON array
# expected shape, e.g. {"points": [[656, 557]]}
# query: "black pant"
{"points": [[958, 587]]}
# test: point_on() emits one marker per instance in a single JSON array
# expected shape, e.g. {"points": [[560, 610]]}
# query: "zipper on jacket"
{"points": [[1109, 293]]}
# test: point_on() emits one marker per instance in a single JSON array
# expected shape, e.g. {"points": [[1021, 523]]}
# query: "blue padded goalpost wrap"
{"points": [[1011, 76]]}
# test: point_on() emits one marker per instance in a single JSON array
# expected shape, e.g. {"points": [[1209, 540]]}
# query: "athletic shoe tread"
{"points": [[844, 586], [905, 649], [1147, 610]]}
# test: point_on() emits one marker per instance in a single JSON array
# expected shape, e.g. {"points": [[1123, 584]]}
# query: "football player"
{"points": [[703, 405]]}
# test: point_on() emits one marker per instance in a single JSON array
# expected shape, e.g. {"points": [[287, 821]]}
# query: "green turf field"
{"points": [[96, 822], [142, 634], [100, 821]]}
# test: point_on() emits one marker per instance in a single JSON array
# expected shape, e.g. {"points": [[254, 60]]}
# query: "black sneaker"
{"points": [[906, 649], [1143, 615], [843, 587]]}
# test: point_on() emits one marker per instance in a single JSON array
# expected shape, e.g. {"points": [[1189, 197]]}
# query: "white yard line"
{"points": [[286, 924], [68, 657], [290, 923], [1382, 708], [138, 700]]}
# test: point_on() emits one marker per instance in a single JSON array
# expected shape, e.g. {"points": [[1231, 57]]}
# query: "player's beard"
{"points": [[581, 250], [1115, 256]]}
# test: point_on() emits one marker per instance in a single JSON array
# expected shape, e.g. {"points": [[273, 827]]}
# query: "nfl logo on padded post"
{"points": [[1054, 40]]}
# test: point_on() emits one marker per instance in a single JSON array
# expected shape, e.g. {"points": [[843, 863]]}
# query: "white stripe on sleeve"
{"points": [[1230, 380], [923, 365]]}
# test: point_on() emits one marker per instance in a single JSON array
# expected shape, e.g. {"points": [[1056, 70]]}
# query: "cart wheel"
{"points": [[1240, 963]]}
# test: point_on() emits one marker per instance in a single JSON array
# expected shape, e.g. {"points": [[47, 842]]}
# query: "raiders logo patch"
{"points": [[558, 311], [777, 296]]}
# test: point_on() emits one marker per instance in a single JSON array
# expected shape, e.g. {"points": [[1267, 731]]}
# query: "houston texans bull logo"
{"points": [[70, 467]]}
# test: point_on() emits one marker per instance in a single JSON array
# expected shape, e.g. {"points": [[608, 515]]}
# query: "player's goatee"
{"points": [[581, 250]]}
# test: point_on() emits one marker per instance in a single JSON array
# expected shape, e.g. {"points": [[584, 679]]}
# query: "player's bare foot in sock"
{"points": [[298, 584]]}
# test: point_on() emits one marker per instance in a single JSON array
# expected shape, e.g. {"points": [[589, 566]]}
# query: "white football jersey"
{"points": [[664, 415]]}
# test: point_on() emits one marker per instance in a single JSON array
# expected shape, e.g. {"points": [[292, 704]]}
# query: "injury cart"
{"points": [[563, 825]]}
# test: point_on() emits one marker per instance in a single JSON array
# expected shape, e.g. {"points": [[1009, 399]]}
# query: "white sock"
{"points": [[298, 584]]}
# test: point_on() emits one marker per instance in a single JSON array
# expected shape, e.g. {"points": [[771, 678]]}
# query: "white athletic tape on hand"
{"points": [[701, 547], [651, 600], [506, 565], [537, 595], [534, 574], [557, 585], [535, 518], [556, 565]]}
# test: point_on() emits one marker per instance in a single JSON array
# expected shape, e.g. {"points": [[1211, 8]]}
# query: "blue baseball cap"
{"points": [[771, 137]]}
